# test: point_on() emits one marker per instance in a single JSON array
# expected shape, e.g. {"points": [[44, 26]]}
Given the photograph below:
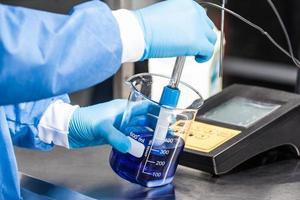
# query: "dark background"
{"points": [[253, 51], [247, 43]]}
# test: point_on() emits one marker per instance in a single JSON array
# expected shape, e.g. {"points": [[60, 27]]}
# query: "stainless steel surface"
{"points": [[177, 72], [33, 188], [87, 171]]}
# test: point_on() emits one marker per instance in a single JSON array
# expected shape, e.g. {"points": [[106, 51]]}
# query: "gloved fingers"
{"points": [[139, 108], [117, 110], [201, 58], [144, 121], [116, 139], [203, 14], [141, 120], [136, 109], [154, 109], [83, 143], [211, 36], [209, 32], [118, 120], [206, 18], [210, 22], [115, 107], [118, 106], [205, 54]]}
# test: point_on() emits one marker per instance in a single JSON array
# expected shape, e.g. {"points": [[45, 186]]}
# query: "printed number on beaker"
{"points": [[156, 174], [160, 163], [169, 140], [164, 152]]}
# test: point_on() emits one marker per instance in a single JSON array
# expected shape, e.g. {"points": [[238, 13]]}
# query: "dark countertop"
{"points": [[87, 171]]}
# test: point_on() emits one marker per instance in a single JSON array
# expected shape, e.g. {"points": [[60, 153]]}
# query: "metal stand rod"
{"points": [[297, 87], [222, 39], [177, 71]]}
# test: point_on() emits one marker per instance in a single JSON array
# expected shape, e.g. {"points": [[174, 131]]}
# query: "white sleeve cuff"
{"points": [[132, 35], [54, 124]]}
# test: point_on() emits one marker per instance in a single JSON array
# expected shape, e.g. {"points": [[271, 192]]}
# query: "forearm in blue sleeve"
{"points": [[23, 120], [44, 54]]}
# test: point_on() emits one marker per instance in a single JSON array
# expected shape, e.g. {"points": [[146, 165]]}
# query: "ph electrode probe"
{"points": [[169, 98]]}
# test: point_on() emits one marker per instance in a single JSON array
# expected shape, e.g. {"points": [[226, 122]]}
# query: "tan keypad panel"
{"points": [[205, 137]]}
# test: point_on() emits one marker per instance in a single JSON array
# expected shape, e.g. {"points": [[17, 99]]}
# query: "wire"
{"points": [[284, 30], [222, 39], [290, 54]]}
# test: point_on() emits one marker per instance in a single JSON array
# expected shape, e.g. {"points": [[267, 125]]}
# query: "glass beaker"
{"points": [[156, 163]]}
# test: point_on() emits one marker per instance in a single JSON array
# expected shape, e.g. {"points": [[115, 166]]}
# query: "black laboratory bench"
{"points": [[86, 174]]}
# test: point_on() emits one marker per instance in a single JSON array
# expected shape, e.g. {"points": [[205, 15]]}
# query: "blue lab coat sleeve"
{"points": [[19, 126], [23, 119], [44, 54]]}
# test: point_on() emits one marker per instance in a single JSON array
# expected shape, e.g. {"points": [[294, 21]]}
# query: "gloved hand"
{"points": [[177, 28], [142, 114], [96, 125]]}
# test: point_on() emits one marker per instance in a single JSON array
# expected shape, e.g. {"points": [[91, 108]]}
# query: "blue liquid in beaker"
{"points": [[158, 164]]}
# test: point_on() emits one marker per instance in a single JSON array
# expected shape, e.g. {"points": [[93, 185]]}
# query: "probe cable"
{"points": [[289, 53], [284, 31]]}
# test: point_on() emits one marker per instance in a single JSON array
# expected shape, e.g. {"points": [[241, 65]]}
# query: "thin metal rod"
{"points": [[222, 39], [177, 71]]}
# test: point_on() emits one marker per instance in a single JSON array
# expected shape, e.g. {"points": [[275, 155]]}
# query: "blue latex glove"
{"points": [[96, 125], [177, 28], [143, 113]]}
